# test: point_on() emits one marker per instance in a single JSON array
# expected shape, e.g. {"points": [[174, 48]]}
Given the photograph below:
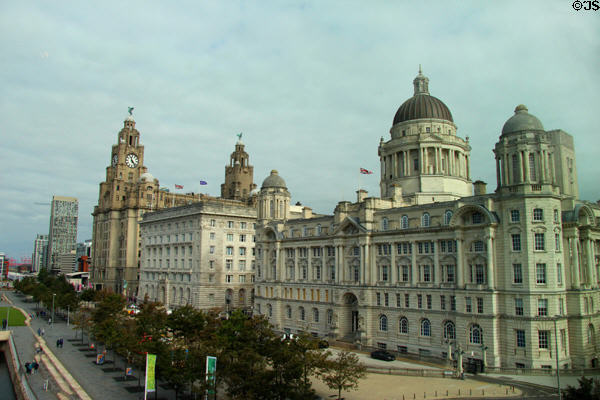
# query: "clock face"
{"points": [[131, 160], [115, 160]]}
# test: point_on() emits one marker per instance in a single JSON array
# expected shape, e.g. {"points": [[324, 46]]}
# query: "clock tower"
{"points": [[127, 192]]}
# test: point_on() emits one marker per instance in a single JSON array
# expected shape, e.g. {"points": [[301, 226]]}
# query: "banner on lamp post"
{"points": [[211, 369], [150, 381]]}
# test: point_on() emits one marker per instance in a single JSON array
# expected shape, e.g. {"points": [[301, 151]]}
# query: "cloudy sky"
{"points": [[313, 85]]}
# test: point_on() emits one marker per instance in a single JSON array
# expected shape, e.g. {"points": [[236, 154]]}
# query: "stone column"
{"points": [[490, 261], [277, 262], [498, 177], [575, 273], [590, 263], [309, 272], [437, 272], [460, 270], [362, 259], [296, 266], [521, 169], [413, 267], [393, 274]]}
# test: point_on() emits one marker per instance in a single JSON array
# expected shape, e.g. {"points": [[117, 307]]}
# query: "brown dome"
{"points": [[422, 104]]}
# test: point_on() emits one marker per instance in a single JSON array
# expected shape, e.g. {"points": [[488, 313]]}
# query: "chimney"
{"points": [[479, 187], [306, 212], [361, 194]]}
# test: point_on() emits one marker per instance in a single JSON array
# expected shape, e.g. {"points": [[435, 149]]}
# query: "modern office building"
{"points": [[438, 265], [62, 235], [39, 258]]}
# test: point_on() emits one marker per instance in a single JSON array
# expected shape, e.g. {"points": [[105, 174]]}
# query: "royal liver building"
{"points": [[436, 263]]}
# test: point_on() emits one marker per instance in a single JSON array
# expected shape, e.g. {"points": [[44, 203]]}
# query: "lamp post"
{"points": [[68, 315], [52, 318], [557, 354]]}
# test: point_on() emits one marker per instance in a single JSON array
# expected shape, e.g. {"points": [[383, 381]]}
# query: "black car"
{"points": [[383, 355]]}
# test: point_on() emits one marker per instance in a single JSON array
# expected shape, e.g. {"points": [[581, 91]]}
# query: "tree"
{"points": [[343, 372], [107, 318], [589, 389]]}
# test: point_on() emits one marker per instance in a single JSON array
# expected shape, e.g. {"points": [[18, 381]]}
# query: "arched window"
{"points": [[449, 330], [330, 317], [288, 312], [404, 222], [269, 310], [319, 230], [591, 334], [384, 224], [475, 334], [425, 220], [447, 217], [383, 323], [302, 315], [425, 327], [315, 315], [403, 325]]}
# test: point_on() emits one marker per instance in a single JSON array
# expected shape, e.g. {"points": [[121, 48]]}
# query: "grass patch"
{"points": [[15, 317]]}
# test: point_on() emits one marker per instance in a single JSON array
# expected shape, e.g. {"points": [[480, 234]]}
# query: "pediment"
{"points": [[349, 226]]}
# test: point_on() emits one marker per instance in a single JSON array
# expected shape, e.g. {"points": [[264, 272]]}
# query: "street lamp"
{"points": [[557, 355], [52, 318]]}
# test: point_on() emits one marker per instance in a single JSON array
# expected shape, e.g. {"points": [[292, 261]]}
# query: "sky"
{"points": [[313, 86]]}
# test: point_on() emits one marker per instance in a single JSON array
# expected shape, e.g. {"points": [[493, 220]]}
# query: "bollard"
{"points": [[483, 392], [436, 393], [470, 392], [446, 392], [459, 391], [414, 396]]}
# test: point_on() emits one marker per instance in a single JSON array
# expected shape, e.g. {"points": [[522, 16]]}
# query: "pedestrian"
{"points": [[49, 321], [61, 341], [28, 367], [35, 366], [39, 332], [43, 332], [57, 342]]}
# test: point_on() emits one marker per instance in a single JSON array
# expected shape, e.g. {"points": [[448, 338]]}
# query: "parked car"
{"points": [[383, 355]]}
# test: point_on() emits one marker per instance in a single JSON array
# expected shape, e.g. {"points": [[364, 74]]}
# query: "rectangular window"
{"points": [[384, 273], [520, 338], [242, 251], [406, 300], [426, 273], [480, 305], [542, 307], [212, 250], [378, 297], [230, 237], [213, 222], [518, 306], [561, 306], [538, 214], [443, 302], [479, 274], [228, 278], [230, 224], [242, 265], [398, 300], [515, 216], [540, 273], [539, 241], [557, 241], [386, 299], [419, 301], [405, 273], [532, 176], [450, 273], [212, 236], [242, 238], [543, 339], [242, 225], [517, 273], [468, 305], [228, 264], [559, 273], [242, 278], [556, 216], [429, 302], [229, 251], [516, 241]]}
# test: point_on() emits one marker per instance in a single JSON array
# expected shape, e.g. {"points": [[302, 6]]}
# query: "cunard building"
{"points": [[437, 264]]}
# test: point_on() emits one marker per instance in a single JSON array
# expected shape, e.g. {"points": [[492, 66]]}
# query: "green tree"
{"points": [[589, 389], [107, 318], [343, 372]]}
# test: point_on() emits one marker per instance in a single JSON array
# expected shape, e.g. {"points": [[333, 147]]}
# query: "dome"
{"points": [[273, 181], [422, 104], [522, 121], [147, 177]]}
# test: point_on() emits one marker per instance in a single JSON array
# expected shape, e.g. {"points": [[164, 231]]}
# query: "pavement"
{"points": [[74, 360]]}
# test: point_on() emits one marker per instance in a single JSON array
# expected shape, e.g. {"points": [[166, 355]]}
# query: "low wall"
{"points": [[20, 384]]}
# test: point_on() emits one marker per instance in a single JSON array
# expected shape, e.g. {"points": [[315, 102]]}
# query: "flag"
{"points": [[365, 171], [178, 186], [150, 364], [203, 183]]}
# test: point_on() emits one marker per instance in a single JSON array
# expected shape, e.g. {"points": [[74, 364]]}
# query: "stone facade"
{"points": [[239, 175], [431, 269], [128, 191], [200, 254]]}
